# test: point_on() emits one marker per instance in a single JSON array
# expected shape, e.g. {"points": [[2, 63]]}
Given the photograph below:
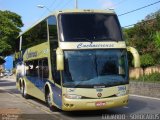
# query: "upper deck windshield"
{"points": [[89, 68], [77, 27]]}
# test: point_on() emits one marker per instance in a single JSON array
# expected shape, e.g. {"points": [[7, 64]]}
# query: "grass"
{"points": [[154, 77]]}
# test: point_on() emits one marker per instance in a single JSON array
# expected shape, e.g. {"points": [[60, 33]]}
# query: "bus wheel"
{"points": [[24, 91], [49, 100], [21, 87]]}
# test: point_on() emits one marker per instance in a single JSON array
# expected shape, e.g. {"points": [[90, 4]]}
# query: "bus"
{"points": [[74, 60]]}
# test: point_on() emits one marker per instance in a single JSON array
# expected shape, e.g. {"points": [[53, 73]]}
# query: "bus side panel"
{"points": [[32, 88], [57, 95]]}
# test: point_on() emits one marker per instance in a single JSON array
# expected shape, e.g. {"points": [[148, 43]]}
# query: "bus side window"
{"points": [[32, 68], [43, 68], [35, 35], [56, 74], [53, 38]]}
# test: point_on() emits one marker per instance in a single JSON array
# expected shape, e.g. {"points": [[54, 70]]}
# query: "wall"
{"points": [[145, 89]]}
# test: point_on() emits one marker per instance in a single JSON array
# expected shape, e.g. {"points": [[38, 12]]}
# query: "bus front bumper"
{"points": [[94, 104]]}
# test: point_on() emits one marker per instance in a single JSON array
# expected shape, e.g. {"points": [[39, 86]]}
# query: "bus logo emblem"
{"points": [[99, 94]]}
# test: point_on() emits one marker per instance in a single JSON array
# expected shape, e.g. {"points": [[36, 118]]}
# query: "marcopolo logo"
{"points": [[91, 45], [31, 54]]}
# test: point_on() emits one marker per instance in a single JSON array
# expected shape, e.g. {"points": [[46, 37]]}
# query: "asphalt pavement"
{"points": [[14, 106]]}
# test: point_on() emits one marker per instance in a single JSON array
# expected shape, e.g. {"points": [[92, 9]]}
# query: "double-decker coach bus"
{"points": [[75, 60]]}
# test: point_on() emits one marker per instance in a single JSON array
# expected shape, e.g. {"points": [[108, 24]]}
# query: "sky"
{"points": [[30, 13]]}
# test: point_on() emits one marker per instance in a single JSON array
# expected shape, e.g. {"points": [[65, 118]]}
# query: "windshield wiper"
{"points": [[78, 84]]}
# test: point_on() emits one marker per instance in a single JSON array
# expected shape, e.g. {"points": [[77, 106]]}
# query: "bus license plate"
{"points": [[100, 103]]}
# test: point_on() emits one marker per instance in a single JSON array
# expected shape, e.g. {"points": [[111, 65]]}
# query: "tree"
{"points": [[2, 60], [145, 37], [10, 24]]}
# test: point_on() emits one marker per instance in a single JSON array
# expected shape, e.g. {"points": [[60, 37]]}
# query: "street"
{"points": [[11, 102]]}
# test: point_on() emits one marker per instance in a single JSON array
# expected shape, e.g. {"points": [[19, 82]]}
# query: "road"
{"points": [[11, 103]]}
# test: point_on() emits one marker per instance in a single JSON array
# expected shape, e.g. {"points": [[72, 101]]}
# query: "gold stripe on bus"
{"points": [[92, 45]]}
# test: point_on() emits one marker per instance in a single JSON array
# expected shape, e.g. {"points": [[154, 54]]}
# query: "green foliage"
{"points": [[152, 15], [157, 40], [146, 60], [10, 24], [145, 37], [150, 78], [2, 61]]}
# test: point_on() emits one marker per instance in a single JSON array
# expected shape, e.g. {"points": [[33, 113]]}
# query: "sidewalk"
{"points": [[9, 78]]}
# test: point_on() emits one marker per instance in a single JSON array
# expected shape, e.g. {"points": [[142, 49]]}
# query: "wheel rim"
{"points": [[21, 89], [24, 90], [49, 99]]}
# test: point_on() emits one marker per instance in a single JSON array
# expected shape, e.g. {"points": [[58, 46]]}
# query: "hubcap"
{"points": [[49, 99]]}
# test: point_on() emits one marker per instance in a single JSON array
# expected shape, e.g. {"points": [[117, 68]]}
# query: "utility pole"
{"points": [[20, 43], [76, 4]]}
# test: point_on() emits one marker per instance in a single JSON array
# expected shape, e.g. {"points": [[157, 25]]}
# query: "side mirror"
{"points": [[59, 59], [136, 56]]}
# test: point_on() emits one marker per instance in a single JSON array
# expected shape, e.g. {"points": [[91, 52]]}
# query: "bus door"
{"points": [[57, 88], [53, 37]]}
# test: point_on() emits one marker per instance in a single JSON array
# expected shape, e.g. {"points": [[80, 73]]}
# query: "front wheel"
{"points": [[24, 91], [48, 98]]}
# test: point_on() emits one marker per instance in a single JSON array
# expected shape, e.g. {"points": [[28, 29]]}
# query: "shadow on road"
{"points": [[5, 84], [2, 80]]}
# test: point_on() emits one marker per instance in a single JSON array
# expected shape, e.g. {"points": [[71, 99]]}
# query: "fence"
{"points": [[135, 73]]}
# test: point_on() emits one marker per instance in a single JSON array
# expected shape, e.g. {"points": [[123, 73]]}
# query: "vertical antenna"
{"points": [[76, 4]]}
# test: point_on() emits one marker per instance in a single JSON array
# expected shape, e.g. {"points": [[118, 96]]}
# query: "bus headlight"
{"points": [[72, 96]]}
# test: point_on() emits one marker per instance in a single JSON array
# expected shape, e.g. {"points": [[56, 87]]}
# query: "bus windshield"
{"points": [[91, 68], [89, 27]]}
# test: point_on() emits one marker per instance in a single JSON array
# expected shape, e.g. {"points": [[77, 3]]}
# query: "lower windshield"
{"points": [[90, 68]]}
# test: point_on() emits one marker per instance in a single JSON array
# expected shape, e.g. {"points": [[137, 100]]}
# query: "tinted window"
{"points": [[32, 68], [55, 73], [90, 68], [35, 35], [43, 68], [37, 68], [90, 27], [52, 25]]}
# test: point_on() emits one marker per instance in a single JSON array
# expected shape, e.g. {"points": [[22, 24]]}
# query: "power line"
{"points": [[127, 26], [117, 4], [138, 23], [46, 9], [58, 4], [139, 8], [52, 3]]}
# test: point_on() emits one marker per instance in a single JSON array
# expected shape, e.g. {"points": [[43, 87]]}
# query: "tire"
{"points": [[21, 87], [24, 91], [48, 98]]}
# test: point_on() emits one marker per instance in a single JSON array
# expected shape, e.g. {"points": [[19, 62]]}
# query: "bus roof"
{"points": [[70, 11]]}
